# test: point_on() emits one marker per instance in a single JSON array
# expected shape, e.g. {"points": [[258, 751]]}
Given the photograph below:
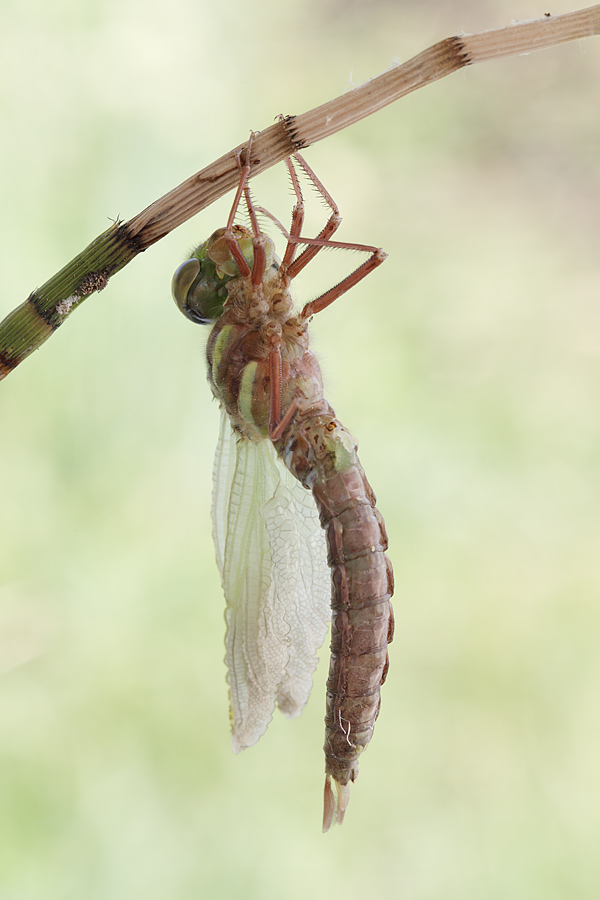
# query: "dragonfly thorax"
{"points": [[238, 351]]}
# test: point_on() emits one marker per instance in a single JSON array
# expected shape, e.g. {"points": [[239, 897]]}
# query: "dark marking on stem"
{"points": [[200, 178], [133, 241], [7, 364], [24, 329], [457, 48], [48, 315]]}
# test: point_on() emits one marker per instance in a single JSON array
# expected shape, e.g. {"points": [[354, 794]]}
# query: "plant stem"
{"points": [[30, 324]]}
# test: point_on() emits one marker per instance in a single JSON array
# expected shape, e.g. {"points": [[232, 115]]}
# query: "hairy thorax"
{"points": [[256, 319]]}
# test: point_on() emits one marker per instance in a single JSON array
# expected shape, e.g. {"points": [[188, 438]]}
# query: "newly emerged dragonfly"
{"points": [[294, 518]]}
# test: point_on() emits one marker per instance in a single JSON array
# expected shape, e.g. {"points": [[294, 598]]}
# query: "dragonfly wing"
{"points": [[271, 552]]}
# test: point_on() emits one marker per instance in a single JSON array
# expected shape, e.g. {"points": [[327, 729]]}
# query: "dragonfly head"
{"points": [[199, 285]]}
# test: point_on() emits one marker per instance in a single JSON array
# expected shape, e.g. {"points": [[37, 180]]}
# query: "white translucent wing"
{"points": [[272, 555]]}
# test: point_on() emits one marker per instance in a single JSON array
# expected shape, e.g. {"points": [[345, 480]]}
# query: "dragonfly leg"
{"points": [[277, 422], [275, 380], [324, 240], [243, 190], [326, 299], [276, 431], [290, 266], [260, 259], [332, 225], [259, 263], [297, 218], [258, 241]]}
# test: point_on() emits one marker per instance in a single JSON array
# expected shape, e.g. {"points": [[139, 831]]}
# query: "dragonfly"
{"points": [[298, 537]]}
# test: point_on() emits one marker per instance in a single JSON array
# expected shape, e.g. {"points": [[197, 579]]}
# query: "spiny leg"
{"points": [[232, 243], [277, 422], [332, 225], [289, 266], [323, 240], [297, 218], [320, 303], [275, 384], [314, 245], [258, 241], [293, 235]]}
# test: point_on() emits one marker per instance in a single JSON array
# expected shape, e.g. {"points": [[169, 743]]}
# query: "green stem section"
{"points": [[31, 323]]}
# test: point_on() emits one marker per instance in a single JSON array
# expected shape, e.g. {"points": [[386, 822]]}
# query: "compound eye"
{"points": [[198, 292], [183, 279]]}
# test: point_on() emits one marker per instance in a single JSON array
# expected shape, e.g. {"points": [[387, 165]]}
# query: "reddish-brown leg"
{"points": [[297, 218], [314, 245], [275, 379], [258, 241], [276, 430], [323, 240], [277, 422], [332, 225], [260, 259], [322, 302], [291, 267], [288, 266], [229, 236]]}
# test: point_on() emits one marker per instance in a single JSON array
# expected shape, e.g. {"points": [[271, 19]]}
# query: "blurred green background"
{"points": [[468, 367]]}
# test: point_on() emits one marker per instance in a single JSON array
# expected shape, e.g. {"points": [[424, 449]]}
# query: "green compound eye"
{"points": [[199, 285], [198, 291], [183, 279]]}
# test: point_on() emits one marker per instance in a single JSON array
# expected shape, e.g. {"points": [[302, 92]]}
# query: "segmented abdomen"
{"points": [[322, 454]]}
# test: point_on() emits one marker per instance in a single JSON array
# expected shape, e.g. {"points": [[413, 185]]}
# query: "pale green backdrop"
{"points": [[469, 368]]}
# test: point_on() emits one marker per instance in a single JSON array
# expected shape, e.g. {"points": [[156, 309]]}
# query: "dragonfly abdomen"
{"points": [[322, 454], [360, 633]]}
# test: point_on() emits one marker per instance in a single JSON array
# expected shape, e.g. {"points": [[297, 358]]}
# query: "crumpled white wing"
{"points": [[272, 555]]}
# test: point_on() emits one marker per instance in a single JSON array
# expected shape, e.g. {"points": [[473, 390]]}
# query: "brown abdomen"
{"points": [[362, 620], [322, 454]]}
